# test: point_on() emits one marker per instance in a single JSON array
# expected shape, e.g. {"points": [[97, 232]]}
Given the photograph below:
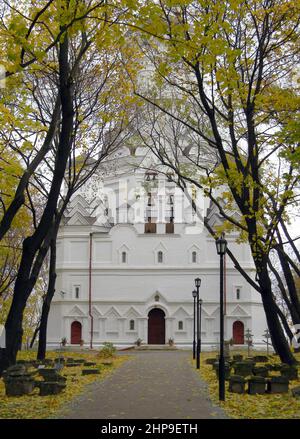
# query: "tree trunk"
{"points": [[47, 301], [36, 246], [36, 331], [278, 338], [19, 197]]}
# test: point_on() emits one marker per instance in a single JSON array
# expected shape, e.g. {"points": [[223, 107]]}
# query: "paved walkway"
{"points": [[152, 385]]}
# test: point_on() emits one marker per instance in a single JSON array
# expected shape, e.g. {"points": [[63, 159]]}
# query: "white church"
{"points": [[128, 251]]}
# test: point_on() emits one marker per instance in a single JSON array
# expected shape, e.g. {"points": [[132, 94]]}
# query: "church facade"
{"points": [[128, 251]]}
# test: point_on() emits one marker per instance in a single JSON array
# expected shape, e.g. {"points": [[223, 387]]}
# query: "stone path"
{"points": [[152, 385]]}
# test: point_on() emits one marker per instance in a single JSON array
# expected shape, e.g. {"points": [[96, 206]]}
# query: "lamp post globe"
{"points": [[197, 282], [221, 245]]}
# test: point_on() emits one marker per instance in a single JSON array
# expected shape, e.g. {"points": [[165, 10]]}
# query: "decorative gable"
{"points": [[95, 312], [112, 313], [121, 250], [76, 311], [181, 313], [132, 313], [239, 312], [193, 248], [160, 249]]}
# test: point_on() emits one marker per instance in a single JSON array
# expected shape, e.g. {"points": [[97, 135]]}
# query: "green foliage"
{"points": [[226, 61], [108, 350]]}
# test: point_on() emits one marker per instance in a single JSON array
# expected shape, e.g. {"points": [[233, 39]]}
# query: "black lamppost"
{"points": [[221, 245], [197, 284], [200, 324], [194, 293]]}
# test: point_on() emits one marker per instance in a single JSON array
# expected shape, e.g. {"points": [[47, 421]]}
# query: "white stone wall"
{"points": [[126, 291]]}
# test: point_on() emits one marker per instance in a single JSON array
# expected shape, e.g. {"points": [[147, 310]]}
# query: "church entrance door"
{"points": [[76, 329], [156, 327], [238, 332]]}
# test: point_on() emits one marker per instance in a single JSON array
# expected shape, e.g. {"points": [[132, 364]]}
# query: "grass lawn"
{"points": [[38, 407], [273, 406]]}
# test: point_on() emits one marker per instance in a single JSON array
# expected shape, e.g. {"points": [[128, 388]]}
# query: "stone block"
{"points": [[260, 371], [243, 368], [50, 388], [268, 366], [90, 372], [290, 372], [18, 381], [237, 384], [19, 387], [278, 385], [89, 363], [277, 367], [260, 358], [256, 385], [51, 375], [237, 357]]}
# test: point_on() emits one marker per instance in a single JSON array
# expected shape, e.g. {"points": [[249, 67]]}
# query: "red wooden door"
{"points": [[156, 327], [76, 333], [238, 333]]}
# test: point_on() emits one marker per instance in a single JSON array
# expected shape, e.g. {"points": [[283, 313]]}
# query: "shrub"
{"points": [[63, 341], [108, 350]]}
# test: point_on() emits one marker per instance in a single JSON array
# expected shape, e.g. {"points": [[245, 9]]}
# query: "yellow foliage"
{"points": [[267, 406], [35, 407]]}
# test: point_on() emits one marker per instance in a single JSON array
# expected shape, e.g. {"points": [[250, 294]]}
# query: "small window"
{"points": [[180, 325], [131, 325], [124, 257], [194, 257], [77, 291], [238, 293], [160, 257]]}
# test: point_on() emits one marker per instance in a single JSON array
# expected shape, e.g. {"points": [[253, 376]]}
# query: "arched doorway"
{"points": [[156, 327], [238, 332], [76, 330]]}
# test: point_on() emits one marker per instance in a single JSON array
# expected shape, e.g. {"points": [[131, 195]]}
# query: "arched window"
{"points": [[77, 291], [131, 325], [180, 325], [160, 257], [194, 257], [124, 257]]}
